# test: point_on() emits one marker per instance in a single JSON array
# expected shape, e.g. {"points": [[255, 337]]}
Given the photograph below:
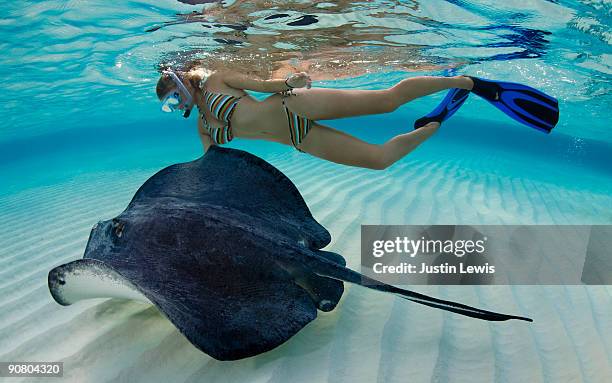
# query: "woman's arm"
{"points": [[240, 81]]}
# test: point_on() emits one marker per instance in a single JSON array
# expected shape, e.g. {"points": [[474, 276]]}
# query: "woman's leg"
{"points": [[415, 87], [402, 144], [342, 148], [329, 104]]}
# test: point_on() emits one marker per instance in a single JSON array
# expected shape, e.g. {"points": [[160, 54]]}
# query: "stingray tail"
{"points": [[331, 270]]}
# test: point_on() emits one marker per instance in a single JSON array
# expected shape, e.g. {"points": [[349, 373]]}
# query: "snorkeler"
{"points": [[290, 116]]}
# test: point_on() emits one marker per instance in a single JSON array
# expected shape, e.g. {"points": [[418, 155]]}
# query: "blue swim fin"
{"points": [[523, 103], [451, 103]]}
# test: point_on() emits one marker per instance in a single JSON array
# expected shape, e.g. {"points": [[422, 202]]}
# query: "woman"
{"points": [[290, 115]]}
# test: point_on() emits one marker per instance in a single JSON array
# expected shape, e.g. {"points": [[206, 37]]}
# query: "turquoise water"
{"points": [[79, 76], [81, 129]]}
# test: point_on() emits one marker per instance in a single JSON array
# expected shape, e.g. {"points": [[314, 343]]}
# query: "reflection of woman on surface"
{"points": [[289, 116]]}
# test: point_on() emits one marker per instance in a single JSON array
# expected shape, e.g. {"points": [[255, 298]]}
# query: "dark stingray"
{"points": [[227, 249]]}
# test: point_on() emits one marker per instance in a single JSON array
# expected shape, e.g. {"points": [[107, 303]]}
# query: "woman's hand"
{"points": [[299, 80]]}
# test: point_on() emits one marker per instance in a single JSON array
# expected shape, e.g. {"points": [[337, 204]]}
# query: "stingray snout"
{"points": [[56, 280]]}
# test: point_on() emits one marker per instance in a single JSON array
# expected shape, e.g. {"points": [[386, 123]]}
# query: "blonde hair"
{"points": [[198, 75], [195, 73]]}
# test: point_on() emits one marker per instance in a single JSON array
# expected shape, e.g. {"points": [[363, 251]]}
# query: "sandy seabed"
{"points": [[369, 337]]}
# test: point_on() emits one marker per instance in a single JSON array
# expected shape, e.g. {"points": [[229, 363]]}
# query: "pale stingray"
{"points": [[227, 249]]}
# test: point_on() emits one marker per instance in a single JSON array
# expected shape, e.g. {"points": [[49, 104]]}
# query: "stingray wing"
{"points": [[256, 318], [236, 180], [225, 326], [220, 282]]}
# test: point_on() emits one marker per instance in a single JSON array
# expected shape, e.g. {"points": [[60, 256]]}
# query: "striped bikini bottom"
{"points": [[298, 126]]}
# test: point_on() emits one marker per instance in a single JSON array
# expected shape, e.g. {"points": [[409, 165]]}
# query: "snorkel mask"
{"points": [[175, 98]]}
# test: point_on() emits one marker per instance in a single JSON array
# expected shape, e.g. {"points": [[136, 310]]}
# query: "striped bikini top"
{"points": [[221, 106]]}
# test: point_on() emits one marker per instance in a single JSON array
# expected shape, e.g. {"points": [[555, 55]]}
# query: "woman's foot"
{"points": [[451, 103], [463, 82], [432, 125], [469, 82]]}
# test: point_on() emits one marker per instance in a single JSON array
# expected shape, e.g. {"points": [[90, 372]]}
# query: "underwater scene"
{"points": [[239, 251]]}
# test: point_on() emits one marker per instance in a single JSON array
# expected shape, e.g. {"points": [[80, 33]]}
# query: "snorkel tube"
{"points": [[188, 103]]}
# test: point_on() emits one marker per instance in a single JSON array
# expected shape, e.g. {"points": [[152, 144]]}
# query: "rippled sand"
{"points": [[369, 337]]}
